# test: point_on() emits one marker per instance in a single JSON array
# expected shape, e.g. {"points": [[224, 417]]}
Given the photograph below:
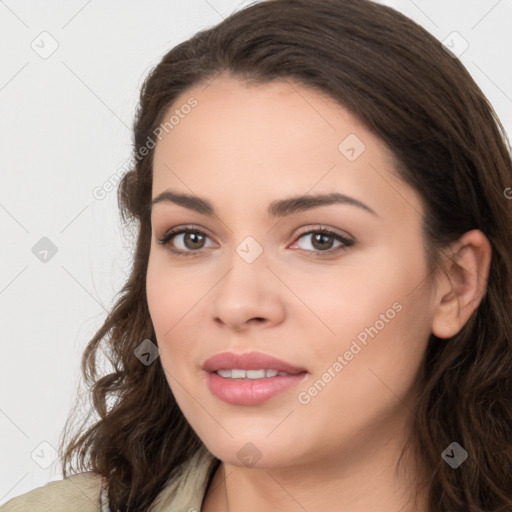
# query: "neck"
{"points": [[352, 480]]}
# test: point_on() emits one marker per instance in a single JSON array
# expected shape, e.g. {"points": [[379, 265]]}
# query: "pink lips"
{"points": [[250, 391], [248, 361]]}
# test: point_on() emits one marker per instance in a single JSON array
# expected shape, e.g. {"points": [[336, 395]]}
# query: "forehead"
{"points": [[247, 141], [279, 118]]}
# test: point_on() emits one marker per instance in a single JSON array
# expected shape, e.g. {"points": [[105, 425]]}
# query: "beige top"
{"points": [[85, 492]]}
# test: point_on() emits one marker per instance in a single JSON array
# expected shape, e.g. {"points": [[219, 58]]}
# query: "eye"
{"points": [[190, 240], [322, 241]]}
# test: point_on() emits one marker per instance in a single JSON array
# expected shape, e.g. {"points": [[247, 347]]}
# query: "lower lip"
{"points": [[250, 391]]}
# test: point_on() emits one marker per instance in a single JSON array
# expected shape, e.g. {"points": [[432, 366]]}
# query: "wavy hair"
{"points": [[450, 146]]}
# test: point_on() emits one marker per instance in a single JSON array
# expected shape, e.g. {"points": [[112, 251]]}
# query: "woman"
{"points": [[318, 313]]}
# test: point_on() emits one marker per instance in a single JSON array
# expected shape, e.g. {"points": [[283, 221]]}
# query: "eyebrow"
{"points": [[278, 208]]}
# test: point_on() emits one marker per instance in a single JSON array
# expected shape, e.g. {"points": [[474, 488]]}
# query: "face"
{"points": [[338, 289]]}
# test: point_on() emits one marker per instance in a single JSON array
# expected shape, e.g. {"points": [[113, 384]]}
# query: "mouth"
{"points": [[250, 378], [249, 361], [237, 373]]}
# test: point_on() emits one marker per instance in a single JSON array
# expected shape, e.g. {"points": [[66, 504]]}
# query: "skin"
{"points": [[242, 147]]}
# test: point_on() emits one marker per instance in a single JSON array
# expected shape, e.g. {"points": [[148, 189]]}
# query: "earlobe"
{"points": [[463, 284]]}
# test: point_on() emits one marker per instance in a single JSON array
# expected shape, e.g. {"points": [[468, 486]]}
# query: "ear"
{"points": [[463, 285]]}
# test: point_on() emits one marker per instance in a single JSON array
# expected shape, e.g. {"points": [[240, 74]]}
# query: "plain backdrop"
{"points": [[69, 83]]}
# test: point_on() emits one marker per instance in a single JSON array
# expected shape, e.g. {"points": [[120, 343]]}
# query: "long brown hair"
{"points": [[450, 146]]}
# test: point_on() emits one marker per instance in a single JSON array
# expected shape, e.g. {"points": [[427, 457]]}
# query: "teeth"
{"points": [[249, 374]]}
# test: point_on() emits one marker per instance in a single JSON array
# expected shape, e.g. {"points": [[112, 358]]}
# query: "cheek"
{"points": [[376, 317], [175, 296], [338, 304], [374, 379], [169, 299], [172, 292], [161, 296]]}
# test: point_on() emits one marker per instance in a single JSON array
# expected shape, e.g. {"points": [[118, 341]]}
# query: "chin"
{"points": [[256, 450]]}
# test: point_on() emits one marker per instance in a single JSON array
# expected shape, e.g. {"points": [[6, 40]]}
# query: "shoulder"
{"points": [[80, 493], [187, 488]]}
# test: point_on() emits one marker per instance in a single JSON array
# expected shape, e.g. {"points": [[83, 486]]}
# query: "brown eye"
{"points": [[322, 241], [184, 241], [193, 240]]}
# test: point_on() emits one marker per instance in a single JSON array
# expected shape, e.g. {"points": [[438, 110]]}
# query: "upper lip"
{"points": [[248, 361]]}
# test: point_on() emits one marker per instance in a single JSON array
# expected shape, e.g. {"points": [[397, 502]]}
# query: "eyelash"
{"points": [[169, 235]]}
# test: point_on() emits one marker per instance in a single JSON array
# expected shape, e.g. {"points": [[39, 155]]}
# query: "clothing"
{"points": [[86, 492]]}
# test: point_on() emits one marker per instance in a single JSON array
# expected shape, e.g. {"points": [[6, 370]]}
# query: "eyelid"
{"points": [[323, 227]]}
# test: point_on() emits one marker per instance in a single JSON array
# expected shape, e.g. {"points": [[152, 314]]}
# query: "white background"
{"points": [[65, 130]]}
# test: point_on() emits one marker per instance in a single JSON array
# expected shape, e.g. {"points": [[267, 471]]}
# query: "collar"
{"points": [[185, 491]]}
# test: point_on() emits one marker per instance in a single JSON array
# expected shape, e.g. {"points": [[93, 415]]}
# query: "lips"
{"points": [[233, 378], [249, 361]]}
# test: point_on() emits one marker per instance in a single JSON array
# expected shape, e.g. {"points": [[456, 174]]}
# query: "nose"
{"points": [[248, 295]]}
